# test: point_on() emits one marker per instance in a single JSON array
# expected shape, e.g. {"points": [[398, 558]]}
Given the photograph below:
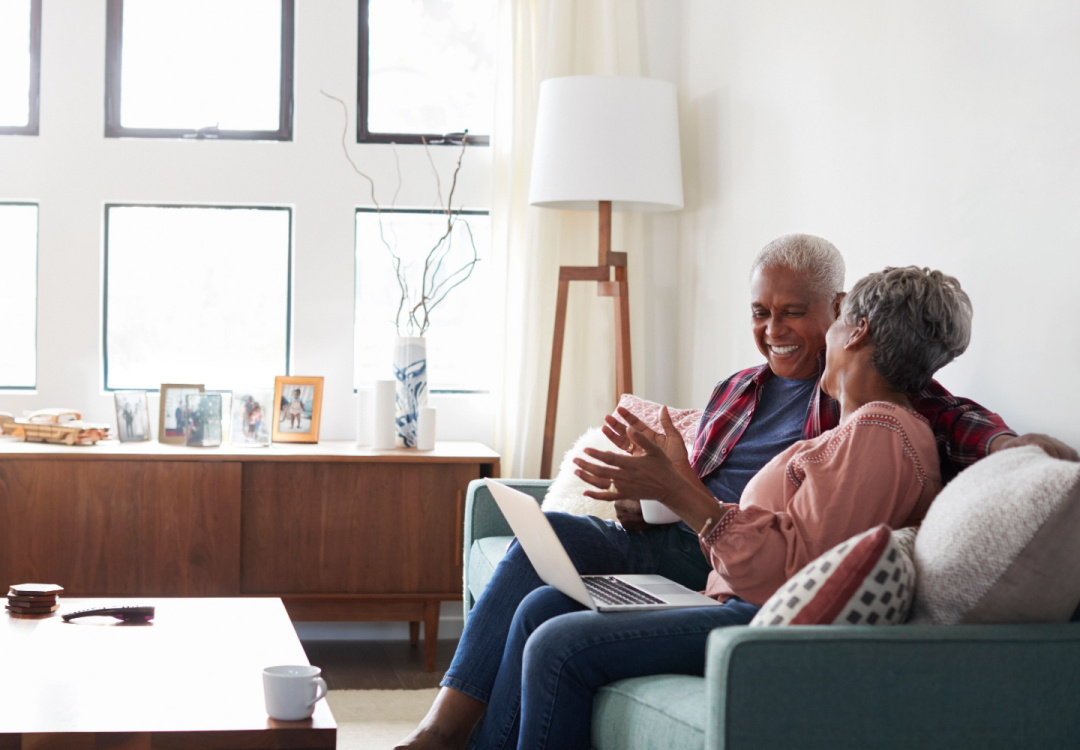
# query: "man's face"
{"points": [[789, 321]]}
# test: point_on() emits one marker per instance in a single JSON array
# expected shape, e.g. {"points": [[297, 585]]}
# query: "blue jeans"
{"points": [[559, 654], [594, 546]]}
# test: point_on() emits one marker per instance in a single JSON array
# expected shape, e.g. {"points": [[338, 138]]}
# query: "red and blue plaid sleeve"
{"points": [[963, 429]]}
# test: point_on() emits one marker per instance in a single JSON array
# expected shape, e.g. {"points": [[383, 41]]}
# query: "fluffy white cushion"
{"points": [[565, 493], [1000, 543], [866, 580]]}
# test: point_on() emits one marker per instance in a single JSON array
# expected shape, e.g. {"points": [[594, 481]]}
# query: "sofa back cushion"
{"points": [[1001, 543]]}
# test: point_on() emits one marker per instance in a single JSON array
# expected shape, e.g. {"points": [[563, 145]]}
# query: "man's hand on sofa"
{"points": [[628, 513], [1053, 447]]}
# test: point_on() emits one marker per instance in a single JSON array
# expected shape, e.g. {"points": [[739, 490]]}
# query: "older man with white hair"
{"points": [[796, 290]]}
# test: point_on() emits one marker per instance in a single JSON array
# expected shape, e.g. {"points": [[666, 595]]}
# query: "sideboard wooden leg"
{"points": [[431, 634]]}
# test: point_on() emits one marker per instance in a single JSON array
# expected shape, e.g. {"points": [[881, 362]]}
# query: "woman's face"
{"points": [[837, 358]]}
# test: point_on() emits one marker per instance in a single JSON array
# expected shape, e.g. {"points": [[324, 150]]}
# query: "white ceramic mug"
{"points": [[654, 511], [292, 691]]}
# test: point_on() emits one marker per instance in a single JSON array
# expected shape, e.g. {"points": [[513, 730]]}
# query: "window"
{"points": [[196, 294], [459, 349], [18, 299], [426, 69], [20, 66], [199, 69]]}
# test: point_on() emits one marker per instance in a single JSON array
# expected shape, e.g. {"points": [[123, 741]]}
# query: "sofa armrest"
{"points": [[483, 519], [893, 687]]}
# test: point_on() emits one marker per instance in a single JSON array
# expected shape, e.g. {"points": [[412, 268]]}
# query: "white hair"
{"points": [[815, 258]]}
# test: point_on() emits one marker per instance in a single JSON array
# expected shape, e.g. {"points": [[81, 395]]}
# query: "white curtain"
{"points": [[545, 39]]}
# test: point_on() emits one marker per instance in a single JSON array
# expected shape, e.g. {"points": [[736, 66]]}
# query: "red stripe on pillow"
{"points": [[829, 601]]}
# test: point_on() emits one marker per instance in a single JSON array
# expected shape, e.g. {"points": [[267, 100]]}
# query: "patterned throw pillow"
{"points": [[867, 580]]}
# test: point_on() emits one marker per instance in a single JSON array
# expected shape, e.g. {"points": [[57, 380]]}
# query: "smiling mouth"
{"points": [[782, 349]]}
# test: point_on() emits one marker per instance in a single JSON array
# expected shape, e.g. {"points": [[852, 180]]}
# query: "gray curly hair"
{"points": [[814, 257], [919, 321]]}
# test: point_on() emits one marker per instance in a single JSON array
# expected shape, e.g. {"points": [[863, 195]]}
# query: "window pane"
{"points": [[196, 295], [201, 63], [18, 297], [14, 63], [459, 349], [431, 66]]}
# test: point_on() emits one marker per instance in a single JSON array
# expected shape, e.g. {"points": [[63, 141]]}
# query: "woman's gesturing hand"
{"points": [[649, 468]]}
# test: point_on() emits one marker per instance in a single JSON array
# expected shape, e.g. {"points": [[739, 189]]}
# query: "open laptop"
{"points": [[603, 593]]}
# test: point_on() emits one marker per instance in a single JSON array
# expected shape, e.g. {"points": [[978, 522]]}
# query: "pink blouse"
{"points": [[880, 466]]}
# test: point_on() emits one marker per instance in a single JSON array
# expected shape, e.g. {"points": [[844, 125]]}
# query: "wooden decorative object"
{"points": [[172, 399], [290, 393]]}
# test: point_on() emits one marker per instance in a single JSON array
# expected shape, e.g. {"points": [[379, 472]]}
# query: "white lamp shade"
{"points": [[607, 138]]}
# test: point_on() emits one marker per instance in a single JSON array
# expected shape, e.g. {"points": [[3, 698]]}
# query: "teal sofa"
{"points": [[977, 686]]}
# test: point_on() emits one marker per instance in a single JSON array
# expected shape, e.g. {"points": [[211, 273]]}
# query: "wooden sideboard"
{"points": [[338, 532]]}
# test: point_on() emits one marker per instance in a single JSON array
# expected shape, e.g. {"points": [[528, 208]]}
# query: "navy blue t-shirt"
{"points": [[777, 423]]}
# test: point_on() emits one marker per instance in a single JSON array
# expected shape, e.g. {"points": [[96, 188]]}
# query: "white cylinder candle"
{"points": [[425, 435], [383, 431]]}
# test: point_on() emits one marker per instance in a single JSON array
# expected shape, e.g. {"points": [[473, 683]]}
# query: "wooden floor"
{"points": [[377, 665]]}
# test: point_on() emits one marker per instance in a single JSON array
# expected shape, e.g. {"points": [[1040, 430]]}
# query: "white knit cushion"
{"points": [[867, 580], [1001, 543], [565, 493]]}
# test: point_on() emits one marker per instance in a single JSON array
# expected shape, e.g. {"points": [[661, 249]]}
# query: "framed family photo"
{"points": [[203, 426], [253, 414], [132, 416], [172, 416], [297, 409]]}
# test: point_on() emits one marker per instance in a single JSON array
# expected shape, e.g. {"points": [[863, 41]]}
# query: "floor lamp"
{"points": [[603, 143]]}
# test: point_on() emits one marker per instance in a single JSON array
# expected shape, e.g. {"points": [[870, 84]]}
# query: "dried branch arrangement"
{"points": [[437, 279]]}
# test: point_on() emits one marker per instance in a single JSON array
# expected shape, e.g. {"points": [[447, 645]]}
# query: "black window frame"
{"points": [[37, 291], [105, 283], [114, 47], [370, 210], [363, 134], [33, 124]]}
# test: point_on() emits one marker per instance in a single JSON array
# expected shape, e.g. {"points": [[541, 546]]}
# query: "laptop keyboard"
{"points": [[613, 591]]}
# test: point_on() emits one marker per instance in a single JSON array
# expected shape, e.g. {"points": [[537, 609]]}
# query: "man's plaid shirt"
{"points": [[962, 428]]}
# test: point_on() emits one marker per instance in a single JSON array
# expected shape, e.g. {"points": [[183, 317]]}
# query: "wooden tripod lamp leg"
{"points": [[553, 378]]}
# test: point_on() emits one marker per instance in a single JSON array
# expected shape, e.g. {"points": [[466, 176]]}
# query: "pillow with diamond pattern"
{"points": [[867, 580]]}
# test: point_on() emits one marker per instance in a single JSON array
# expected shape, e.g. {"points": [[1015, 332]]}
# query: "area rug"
{"points": [[377, 718]]}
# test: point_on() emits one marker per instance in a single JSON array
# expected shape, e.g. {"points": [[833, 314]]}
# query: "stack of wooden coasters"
{"points": [[33, 599]]}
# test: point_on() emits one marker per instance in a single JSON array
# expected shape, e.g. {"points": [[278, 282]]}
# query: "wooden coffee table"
{"points": [[191, 679]]}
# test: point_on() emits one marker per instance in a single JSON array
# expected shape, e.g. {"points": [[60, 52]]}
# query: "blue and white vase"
{"points": [[410, 370]]}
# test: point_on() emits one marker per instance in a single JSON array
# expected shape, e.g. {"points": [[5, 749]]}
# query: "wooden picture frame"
{"points": [[297, 409], [132, 416], [172, 399]]}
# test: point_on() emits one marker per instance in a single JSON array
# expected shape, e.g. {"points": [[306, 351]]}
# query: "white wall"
{"points": [[71, 170], [914, 131]]}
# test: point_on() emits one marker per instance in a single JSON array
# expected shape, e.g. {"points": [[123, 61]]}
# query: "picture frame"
{"points": [[132, 416], [297, 409], [252, 417], [172, 411], [226, 411], [203, 426]]}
